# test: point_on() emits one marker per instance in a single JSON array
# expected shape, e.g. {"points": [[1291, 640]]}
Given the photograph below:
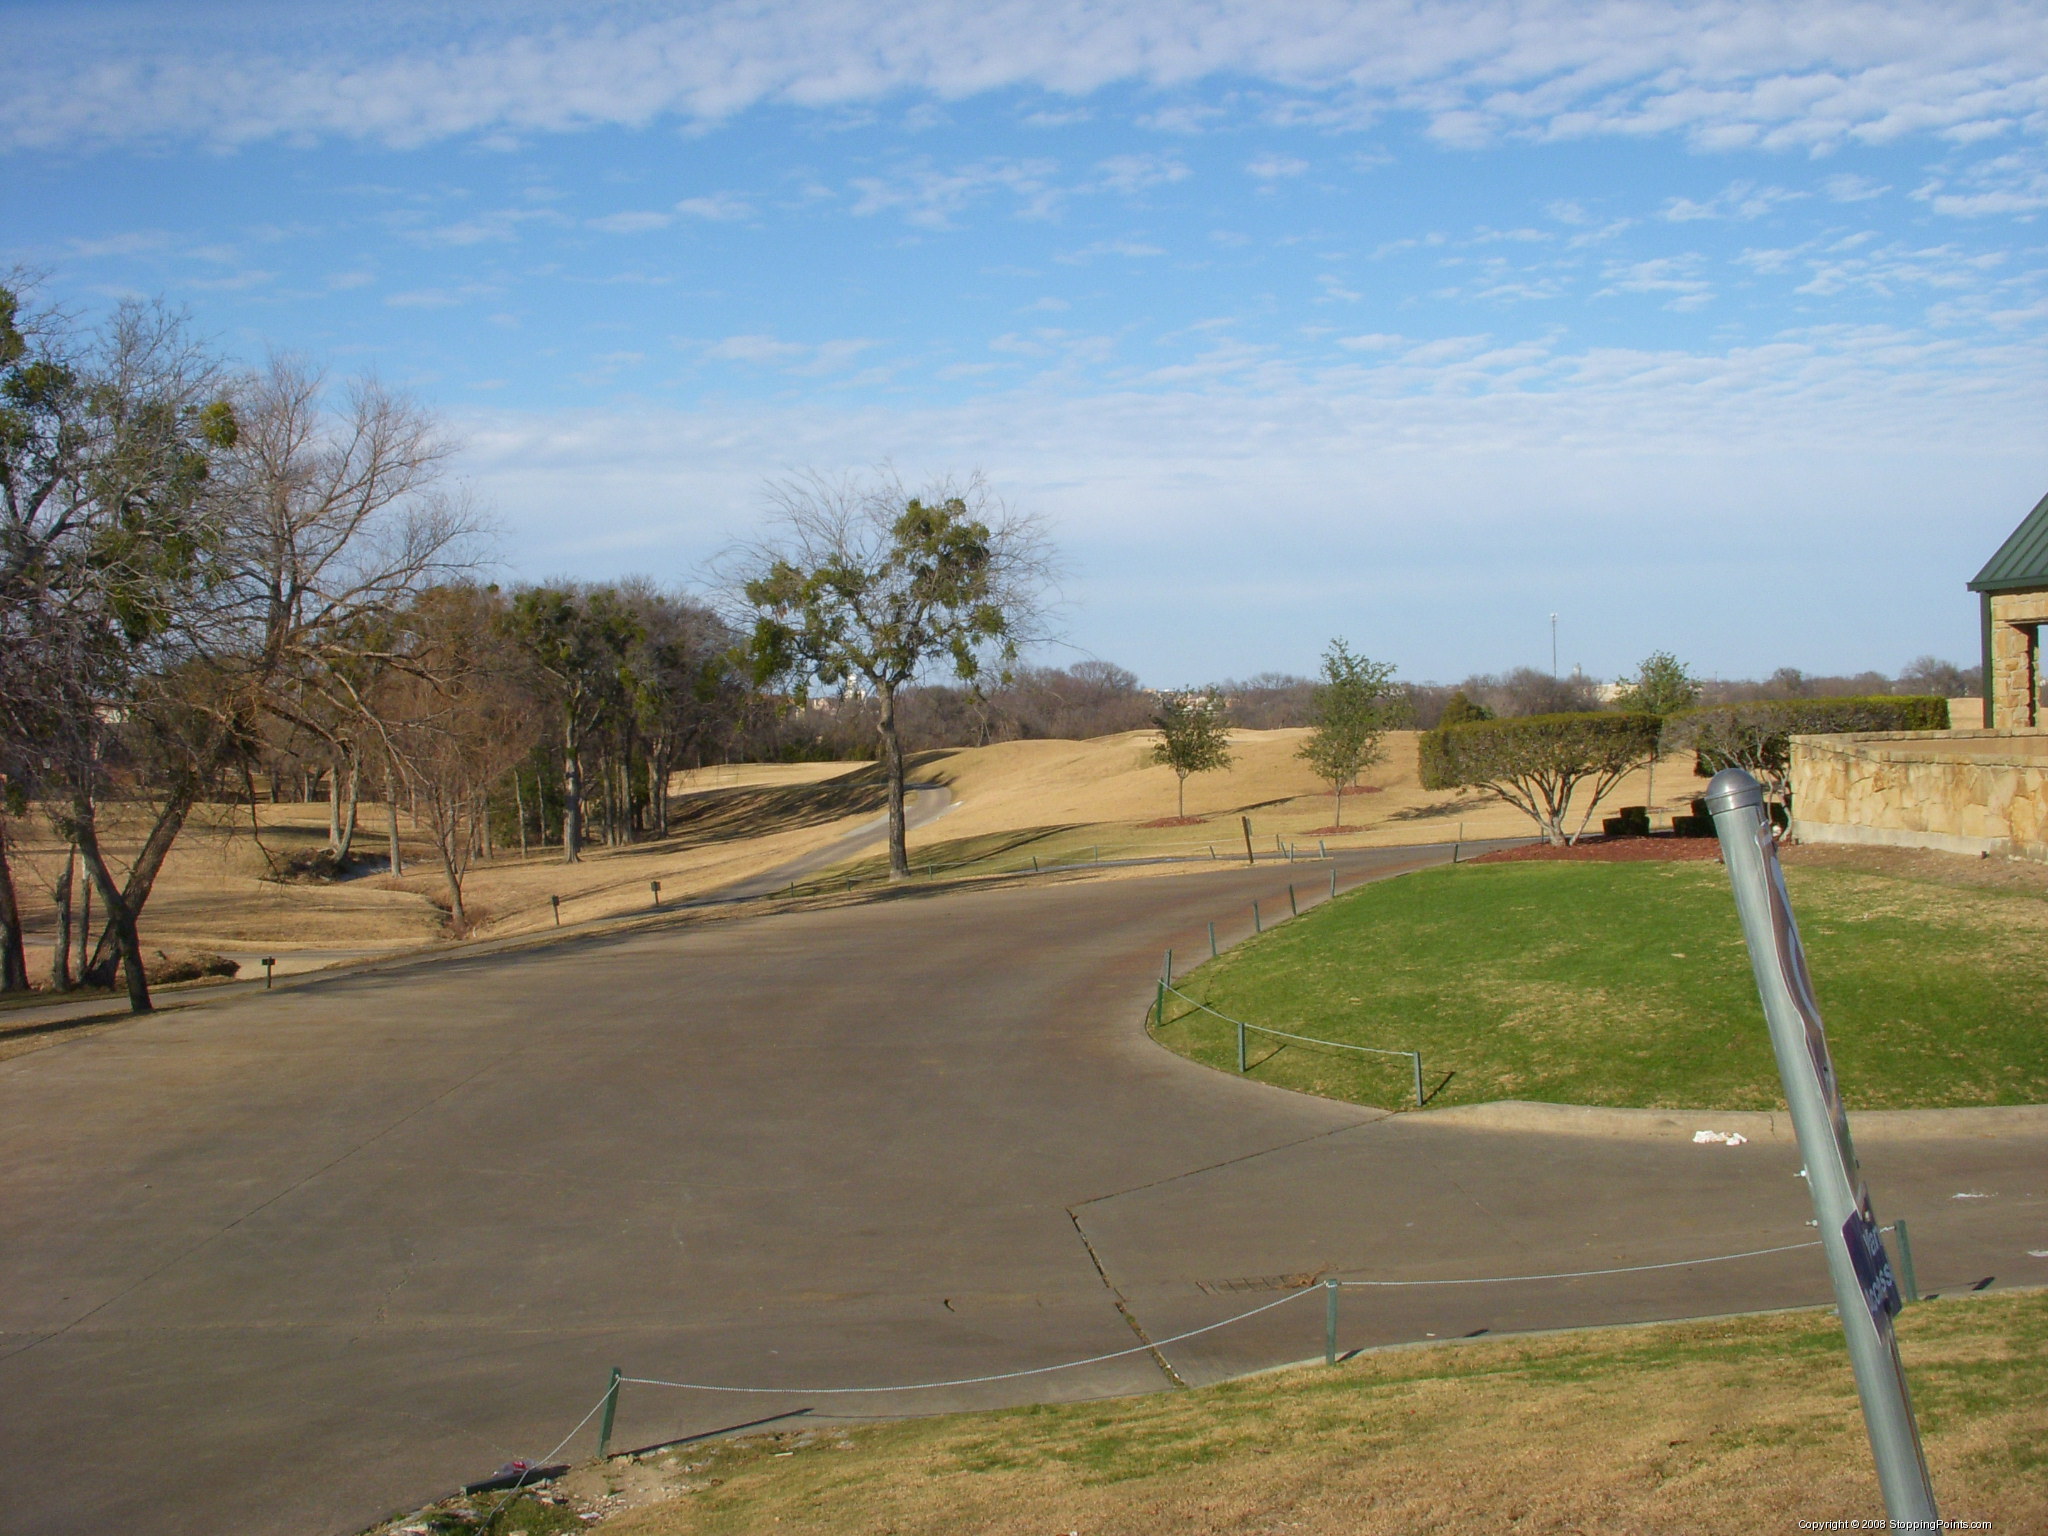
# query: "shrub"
{"points": [[1756, 735], [1537, 762]]}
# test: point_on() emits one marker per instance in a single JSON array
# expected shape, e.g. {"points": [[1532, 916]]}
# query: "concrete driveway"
{"points": [[289, 1262]]}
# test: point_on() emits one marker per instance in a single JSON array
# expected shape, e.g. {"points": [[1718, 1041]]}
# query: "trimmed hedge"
{"points": [[1482, 751], [1538, 762]]}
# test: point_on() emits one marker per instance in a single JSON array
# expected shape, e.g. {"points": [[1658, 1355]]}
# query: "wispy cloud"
{"points": [[1276, 167], [1737, 200], [930, 196], [1807, 74]]}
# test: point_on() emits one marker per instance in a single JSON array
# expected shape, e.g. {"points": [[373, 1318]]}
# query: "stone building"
{"points": [[1979, 791], [2013, 591]]}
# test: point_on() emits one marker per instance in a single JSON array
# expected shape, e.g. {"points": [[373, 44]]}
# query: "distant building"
{"points": [[2013, 591]]}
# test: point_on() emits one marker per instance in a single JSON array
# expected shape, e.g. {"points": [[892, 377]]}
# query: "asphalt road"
{"points": [[289, 1262]]}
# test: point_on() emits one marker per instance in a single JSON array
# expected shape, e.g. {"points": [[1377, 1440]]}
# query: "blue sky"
{"points": [[1713, 328]]}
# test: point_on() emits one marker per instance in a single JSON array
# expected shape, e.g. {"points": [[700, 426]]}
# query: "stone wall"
{"points": [[1959, 791]]}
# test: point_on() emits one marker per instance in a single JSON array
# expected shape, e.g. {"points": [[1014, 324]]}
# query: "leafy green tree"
{"points": [[1538, 762], [1661, 686], [1194, 736], [578, 642], [1460, 709], [1356, 704], [863, 586]]}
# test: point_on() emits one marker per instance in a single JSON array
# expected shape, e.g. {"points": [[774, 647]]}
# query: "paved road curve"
{"points": [[286, 1263]]}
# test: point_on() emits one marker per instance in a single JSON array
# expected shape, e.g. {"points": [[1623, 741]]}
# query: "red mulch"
{"points": [[1175, 821], [1610, 850], [1327, 831]]}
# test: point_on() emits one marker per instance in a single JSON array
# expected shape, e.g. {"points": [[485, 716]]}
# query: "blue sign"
{"points": [[1873, 1268]]}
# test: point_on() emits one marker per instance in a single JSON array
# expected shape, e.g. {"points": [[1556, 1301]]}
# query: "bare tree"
{"points": [[455, 722]]}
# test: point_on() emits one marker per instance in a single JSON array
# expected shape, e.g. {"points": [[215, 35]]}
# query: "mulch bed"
{"points": [[1176, 821], [1610, 850]]}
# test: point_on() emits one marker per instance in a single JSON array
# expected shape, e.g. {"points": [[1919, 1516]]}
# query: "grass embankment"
{"points": [[1738, 1426], [1628, 984]]}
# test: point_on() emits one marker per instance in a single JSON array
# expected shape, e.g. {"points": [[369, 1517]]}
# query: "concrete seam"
{"points": [[1123, 1307]]}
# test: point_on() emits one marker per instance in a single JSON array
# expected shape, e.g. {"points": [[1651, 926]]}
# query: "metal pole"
{"points": [[1212, 941], [1257, 926], [1249, 856], [1322, 849], [1329, 1322], [1160, 1005], [557, 901], [1240, 1050], [1168, 973], [1333, 885], [1866, 1294], [1553, 645], [269, 961], [1034, 863], [655, 886], [1293, 907], [1907, 1280], [611, 1412], [1418, 1077]]}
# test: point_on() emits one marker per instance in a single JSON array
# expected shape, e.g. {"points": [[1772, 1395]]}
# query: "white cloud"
{"points": [[928, 196], [1275, 167], [1737, 200], [1540, 465], [633, 223], [1133, 173], [803, 359], [1678, 276], [1853, 189], [719, 207], [1803, 74]]}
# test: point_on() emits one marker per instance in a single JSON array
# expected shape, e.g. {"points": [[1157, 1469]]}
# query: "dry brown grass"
{"points": [[1735, 1426], [734, 822]]}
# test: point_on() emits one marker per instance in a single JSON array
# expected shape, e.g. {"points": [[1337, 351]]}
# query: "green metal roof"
{"points": [[2022, 560]]}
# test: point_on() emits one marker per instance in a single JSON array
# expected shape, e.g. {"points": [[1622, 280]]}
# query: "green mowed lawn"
{"points": [[1628, 984]]}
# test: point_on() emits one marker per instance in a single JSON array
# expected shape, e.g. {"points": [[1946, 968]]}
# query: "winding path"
{"points": [[287, 1262]]}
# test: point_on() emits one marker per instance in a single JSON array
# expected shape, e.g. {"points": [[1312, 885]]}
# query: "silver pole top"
{"points": [[1730, 790]]}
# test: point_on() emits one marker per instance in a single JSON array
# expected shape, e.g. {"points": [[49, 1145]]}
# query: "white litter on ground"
{"points": [[1969, 1194], [1725, 1138], [2037, 1253]]}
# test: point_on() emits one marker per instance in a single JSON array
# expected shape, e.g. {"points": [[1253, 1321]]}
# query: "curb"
{"points": [[1757, 1125]]}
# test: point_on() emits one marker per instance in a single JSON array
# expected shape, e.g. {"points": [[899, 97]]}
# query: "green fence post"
{"points": [[1240, 1050], [1418, 1078], [1333, 885], [1249, 856], [1322, 849], [1169, 968], [1907, 1281], [611, 1412], [1212, 941], [1293, 907], [1257, 926], [1329, 1322], [1162, 1006], [1034, 863]]}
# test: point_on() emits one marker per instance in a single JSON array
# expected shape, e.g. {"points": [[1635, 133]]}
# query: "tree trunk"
{"points": [[1340, 806], [60, 953], [120, 914], [892, 749], [84, 925], [348, 818], [141, 880], [395, 859], [519, 805], [572, 791], [657, 791], [1180, 784], [13, 955]]}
